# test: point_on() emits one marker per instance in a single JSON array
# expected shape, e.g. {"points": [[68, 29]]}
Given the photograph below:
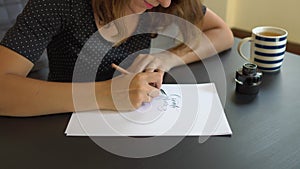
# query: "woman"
{"points": [[64, 26]]}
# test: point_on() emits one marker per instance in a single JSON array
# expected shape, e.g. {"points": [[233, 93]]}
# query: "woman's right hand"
{"points": [[129, 92]]}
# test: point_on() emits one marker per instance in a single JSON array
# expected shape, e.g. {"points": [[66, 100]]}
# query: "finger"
{"points": [[153, 84], [154, 93], [147, 98], [149, 70], [151, 67], [160, 69], [159, 81], [159, 84], [153, 77]]}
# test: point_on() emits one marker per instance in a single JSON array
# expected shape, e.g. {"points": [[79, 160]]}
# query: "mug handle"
{"points": [[240, 45]]}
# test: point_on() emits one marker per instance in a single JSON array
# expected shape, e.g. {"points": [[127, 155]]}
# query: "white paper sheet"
{"points": [[187, 110]]}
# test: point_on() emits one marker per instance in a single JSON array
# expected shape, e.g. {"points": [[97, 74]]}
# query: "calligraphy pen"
{"points": [[122, 70]]}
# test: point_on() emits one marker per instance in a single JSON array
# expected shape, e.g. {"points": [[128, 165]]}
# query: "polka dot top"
{"points": [[67, 29], [76, 50]]}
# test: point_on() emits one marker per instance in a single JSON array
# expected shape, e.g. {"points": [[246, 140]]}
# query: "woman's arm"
{"points": [[22, 96], [216, 38], [219, 38]]}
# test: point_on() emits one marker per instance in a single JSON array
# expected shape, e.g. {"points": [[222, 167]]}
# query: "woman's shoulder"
{"points": [[46, 6], [57, 4], [55, 8], [60, 5], [47, 3]]}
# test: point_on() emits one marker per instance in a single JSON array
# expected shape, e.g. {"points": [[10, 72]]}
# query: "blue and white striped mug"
{"points": [[268, 45]]}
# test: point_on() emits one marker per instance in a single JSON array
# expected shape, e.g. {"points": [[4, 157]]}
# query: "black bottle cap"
{"points": [[249, 69]]}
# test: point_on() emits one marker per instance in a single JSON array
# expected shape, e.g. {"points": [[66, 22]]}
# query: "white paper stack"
{"points": [[187, 110]]}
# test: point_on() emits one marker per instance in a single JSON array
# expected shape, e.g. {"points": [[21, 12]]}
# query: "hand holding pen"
{"points": [[124, 71]]}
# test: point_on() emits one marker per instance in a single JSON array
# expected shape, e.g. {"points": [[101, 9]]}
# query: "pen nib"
{"points": [[163, 92]]}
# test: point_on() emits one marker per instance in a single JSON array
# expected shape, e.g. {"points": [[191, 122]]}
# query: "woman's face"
{"points": [[140, 6]]}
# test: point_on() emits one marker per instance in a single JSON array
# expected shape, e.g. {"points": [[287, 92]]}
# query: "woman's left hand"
{"points": [[158, 62]]}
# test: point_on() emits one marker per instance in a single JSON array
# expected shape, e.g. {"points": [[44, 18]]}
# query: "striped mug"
{"points": [[268, 46]]}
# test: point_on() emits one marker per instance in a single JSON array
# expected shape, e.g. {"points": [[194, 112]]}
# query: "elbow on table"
{"points": [[9, 111], [228, 40], [10, 108], [223, 40]]}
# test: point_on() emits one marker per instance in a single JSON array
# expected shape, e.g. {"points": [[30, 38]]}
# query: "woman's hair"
{"points": [[108, 11], [189, 10]]}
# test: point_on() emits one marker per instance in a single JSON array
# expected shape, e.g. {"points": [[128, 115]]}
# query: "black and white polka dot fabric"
{"points": [[64, 28]]}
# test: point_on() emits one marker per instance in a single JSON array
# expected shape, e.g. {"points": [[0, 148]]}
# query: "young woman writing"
{"points": [[64, 26]]}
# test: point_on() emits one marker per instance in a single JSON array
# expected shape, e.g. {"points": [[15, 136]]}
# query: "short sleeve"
{"points": [[35, 27]]}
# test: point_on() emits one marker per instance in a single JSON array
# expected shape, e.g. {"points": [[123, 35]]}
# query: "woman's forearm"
{"points": [[35, 97], [216, 37], [211, 44]]}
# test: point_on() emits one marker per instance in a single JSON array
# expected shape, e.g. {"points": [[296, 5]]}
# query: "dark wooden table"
{"points": [[266, 131]]}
